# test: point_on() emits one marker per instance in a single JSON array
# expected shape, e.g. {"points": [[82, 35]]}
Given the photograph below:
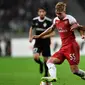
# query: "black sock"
{"points": [[38, 61], [80, 73], [46, 69], [41, 65]]}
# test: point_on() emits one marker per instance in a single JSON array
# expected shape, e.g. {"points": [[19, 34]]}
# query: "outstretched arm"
{"points": [[74, 26], [46, 32], [81, 27], [81, 33], [49, 35]]}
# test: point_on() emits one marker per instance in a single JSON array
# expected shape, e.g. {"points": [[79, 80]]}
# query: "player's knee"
{"points": [[50, 65], [54, 61], [50, 60], [74, 71], [36, 57]]}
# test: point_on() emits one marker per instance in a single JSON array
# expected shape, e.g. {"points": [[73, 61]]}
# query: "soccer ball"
{"points": [[45, 83]]}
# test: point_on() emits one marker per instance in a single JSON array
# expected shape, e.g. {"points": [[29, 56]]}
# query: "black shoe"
{"points": [[83, 77], [46, 74], [41, 68]]}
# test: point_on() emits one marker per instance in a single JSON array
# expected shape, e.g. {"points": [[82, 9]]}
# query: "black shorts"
{"points": [[42, 48]]}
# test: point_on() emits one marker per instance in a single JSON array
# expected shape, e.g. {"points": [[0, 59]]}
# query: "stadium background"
{"points": [[16, 63]]}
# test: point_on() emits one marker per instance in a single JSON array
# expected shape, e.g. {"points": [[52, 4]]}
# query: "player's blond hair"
{"points": [[60, 7]]}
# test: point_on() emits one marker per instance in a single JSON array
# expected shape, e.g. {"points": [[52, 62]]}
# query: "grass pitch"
{"points": [[24, 71]]}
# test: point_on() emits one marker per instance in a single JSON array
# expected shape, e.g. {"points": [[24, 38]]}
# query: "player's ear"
{"points": [[38, 13], [45, 12]]}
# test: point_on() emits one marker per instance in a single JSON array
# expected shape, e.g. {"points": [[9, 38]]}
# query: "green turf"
{"points": [[24, 71]]}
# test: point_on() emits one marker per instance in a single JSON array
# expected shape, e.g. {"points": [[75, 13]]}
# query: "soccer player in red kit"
{"points": [[70, 49]]}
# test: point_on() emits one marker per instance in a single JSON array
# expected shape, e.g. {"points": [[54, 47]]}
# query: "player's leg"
{"points": [[74, 58], [36, 54], [77, 71], [57, 58], [46, 54], [45, 66]]}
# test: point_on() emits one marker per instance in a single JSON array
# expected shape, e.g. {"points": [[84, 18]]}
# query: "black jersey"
{"points": [[40, 26]]}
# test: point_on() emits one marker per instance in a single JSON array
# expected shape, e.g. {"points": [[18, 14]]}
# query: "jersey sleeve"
{"points": [[33, 23], [54, 21], [72, 20], [53, 24]]}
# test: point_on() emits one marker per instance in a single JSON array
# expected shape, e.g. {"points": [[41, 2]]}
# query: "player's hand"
{"points": [[30, 39], [74, 26], [72, 29], [36, 36], [83, 36]]}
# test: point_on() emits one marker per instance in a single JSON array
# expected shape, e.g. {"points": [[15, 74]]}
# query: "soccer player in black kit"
{"points": [[42, 45]]}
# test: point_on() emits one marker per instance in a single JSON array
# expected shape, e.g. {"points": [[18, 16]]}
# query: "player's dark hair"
{"points": [[41, 7]]}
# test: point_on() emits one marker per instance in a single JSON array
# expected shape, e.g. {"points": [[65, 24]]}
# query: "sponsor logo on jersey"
{"points": [[40, 29], [62, 30]]}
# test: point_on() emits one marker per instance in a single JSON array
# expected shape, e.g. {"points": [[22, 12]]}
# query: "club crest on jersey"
{"points": [[44, 24], [36, 24], [65, 22], [56, 22]]}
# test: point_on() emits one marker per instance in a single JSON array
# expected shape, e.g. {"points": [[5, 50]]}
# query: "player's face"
{"points": [[60, 15], [41, 13]]}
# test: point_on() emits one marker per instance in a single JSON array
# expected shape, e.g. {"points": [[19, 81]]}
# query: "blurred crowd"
{"points": [[5, 46], [16, 15]]}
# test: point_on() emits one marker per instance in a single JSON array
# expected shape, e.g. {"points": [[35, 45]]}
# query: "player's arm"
{"points": [[30, 35], [46, 32], [78, 27], [74, 26], [49, 35], [31, 30], [81, 27], [81, 33]]}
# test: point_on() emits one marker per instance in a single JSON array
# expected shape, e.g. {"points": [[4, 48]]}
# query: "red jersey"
{"points": [[64, 27]]}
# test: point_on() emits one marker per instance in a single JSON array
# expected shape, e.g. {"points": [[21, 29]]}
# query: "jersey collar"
{"points": [[41, 20]]}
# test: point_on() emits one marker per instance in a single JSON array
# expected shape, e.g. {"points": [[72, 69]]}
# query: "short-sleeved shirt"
{"points": [[64, 27], [40, 26], [70, 48]]}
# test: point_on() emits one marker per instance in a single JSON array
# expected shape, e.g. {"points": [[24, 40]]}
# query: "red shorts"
{"points": [[69, 52]]}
